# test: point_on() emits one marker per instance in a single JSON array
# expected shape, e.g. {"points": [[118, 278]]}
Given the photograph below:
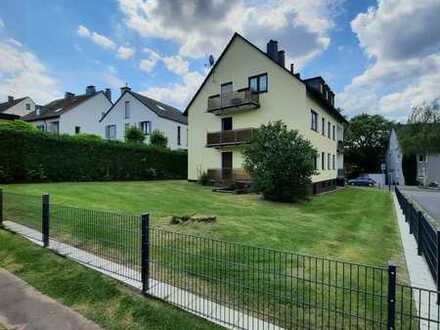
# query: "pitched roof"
{"points": [[6, 105], [8, 116], [57, 107], [323, 102], [161, 109]]}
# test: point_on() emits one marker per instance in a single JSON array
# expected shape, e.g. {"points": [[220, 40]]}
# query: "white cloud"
{"points": [[405, 58], [14, 42], [23, 74], [125, 53], [2, 24], [148, 64], [301, 26], [95, 37], [176, 64]]}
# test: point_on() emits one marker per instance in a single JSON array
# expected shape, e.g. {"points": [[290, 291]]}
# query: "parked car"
{"points": [[362, 182]]}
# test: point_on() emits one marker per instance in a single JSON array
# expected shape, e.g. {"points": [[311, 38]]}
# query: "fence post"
{"points": [[1, 207], [145, 253], [391, 301], [419, 235], [45, 220]]}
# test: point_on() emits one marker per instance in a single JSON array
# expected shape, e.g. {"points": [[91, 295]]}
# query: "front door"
{"points": [[227, 165]]}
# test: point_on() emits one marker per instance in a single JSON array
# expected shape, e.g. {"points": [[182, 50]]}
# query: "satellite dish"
{"points": [[211, 60]]}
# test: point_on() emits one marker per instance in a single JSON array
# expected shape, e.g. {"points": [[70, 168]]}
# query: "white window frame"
{"points": [[110, 132], [127, 110], [145, 127]]}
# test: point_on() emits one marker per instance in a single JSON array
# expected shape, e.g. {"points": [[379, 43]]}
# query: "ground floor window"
{"points": [[145, 127], [178, 135], [110, 132], [77, 129]]}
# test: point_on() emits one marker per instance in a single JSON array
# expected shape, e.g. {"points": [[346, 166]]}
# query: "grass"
{"points": [[355, 225], [108, 303]]}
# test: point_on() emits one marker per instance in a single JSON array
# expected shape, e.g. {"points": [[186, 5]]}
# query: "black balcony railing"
{"points": [[229, 137], [243, 99]]}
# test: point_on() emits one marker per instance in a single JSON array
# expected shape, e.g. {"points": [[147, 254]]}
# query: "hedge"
{"points": [[27, 156]]}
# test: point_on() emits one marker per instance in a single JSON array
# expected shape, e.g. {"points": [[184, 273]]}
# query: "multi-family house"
{"points": [[134, 109], [246, 88], [73, 114], [17, 107]]}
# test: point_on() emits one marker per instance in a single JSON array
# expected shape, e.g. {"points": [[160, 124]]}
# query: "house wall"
{"points": [[428, 170], [138, 113], [286, 99], [394, 160], [20, 108]]}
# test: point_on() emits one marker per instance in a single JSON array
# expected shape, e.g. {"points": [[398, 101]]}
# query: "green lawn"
{"points": [[105, 301], [355, 225]]}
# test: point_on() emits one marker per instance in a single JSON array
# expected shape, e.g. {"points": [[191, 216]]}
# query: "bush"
{"points": [[87, 137], [158, 139], [38, 156], [204, 179], [18, 125], [280, 162], [134, 135]]}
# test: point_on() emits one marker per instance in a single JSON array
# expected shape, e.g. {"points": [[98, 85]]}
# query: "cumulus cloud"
{"points": [[23, 74], [404, 58], [125, 53], [148, 64], [95, 37], [301, 26]]}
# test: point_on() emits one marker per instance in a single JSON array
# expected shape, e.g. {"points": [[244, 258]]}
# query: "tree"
{"points": [[134, 135], [280, 162], [426, 113], [18, 125], [158, 139], [365, 143]]}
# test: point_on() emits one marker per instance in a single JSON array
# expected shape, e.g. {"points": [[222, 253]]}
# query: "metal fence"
{"points": [[242, 286], [427, 237]]}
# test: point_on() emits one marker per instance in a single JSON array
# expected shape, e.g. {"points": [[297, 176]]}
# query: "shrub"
{"points": [[134, 135], [158, 139], [87, 137], [280, 162], [38, 156], [18, 125], [204, 179]]}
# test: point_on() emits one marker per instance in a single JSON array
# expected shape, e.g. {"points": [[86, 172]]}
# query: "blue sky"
{"points": [[379, 57]]}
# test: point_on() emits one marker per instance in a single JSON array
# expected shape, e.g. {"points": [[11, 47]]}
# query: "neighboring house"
{"points": [[247, 88], [134, 109], [427, 166], [73, 114], [19, 107]]}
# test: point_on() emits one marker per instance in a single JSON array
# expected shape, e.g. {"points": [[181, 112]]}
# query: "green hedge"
{"points": [[27, 156]]}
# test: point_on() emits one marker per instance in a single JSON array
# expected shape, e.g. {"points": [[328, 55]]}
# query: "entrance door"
{"points": [[227, 165]]}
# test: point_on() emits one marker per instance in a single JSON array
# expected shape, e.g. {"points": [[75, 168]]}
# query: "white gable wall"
{"points": [[138, 113], [20, 108]]}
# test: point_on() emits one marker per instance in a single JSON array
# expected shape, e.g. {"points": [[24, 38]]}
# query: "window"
{"points": [[323, 161], [145, 127], [178, 135], [110, 132], [127, 109], [334, 133], [329, 131], [77, 129], [314, 124], [334, 162], [323, 126], [329, 161], [421, 158], [315, 162], [226, 88], [227, 124], [28, 106], [54, 127], [258, 83]]}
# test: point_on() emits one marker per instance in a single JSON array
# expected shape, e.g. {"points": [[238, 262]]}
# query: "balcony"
{"points": [[340, 147], [228, 175], [240, 100], [230, 137]]}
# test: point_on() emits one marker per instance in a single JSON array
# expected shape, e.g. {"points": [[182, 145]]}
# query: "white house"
{"points": [[134, 109], [19, 107], [72, 114]]}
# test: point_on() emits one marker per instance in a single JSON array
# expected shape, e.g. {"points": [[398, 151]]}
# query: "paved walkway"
{"points": [[23, 307], [224, 316], [427, 199], [419, 274]]}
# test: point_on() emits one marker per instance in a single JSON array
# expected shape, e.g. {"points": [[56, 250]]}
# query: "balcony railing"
{"points": [[230, 137], [340, 147], [228, 175], [240, 100]]}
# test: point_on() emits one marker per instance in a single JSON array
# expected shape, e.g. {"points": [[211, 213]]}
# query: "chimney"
{"points": [[272, 50], [292, 68], [108, 94], [10, 99], [125, 89], [90, 90], [68, 95], [282, 57]]}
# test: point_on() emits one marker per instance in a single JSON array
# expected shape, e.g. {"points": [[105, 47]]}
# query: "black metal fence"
{"points": [[427, 237], [239, 285]]}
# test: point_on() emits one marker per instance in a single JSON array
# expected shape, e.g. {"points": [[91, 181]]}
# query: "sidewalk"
{"points": [[23, 307]]}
